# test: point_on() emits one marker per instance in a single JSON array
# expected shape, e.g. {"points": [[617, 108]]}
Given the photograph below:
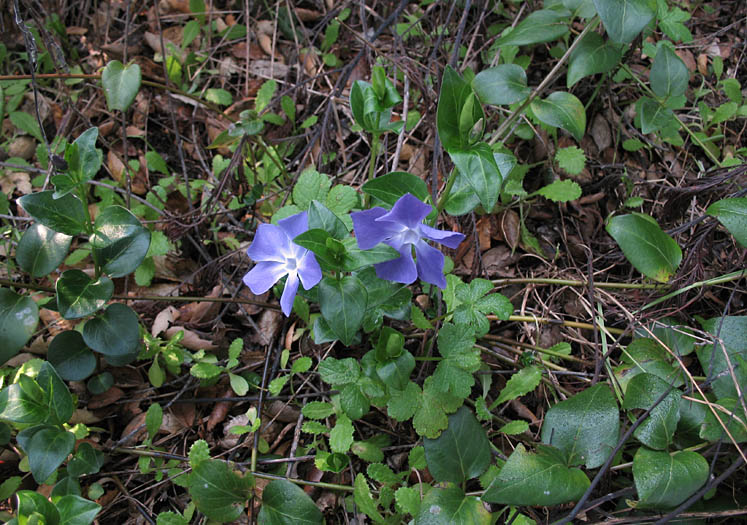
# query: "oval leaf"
{"points": [[121, 84], [119, 242], [544, 25], [343, 305], [449, 506], [41, 250], [461, 452], [78, 295], [584, 427], [562, 110], [64, 215], [624, 19], [115, 332], [451, 101], [732, 213], [47, 450], [390, 187], [219, 492], [478, 166], [669, 75], [503, 84], [657, 430], [592, 56], [653, 253], [665, 480], [19, 316], [70, 356], [75, 510], [284, 503]]}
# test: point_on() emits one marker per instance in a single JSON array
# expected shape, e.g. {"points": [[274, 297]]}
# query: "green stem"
{"points": [[571, 282], [445, 194]]}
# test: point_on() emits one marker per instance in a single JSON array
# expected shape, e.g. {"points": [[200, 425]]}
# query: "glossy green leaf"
{"points": [[479, 168], [645, 355], [87, 460], [321, 217], [316, 240], [669, 74], [219, 492], [30, 502], [41, 250], [461, 452], [593, 55], [544, 25], [657, 430], [562, 110], [83, 160], [343, 304], [59, 398], [284, 503], [461, 359], [503, 84], [119, 241], [354, 258], [121, 84], [70, 356], [731, 413], [100, 383], [19, 316], [539, 478], [26, 123], [732, 213], [624, 19], [390, 187], [584, 427], [65, 215], [653, 115], [75, 510], [449, 506], [78, 295], [454, 94], [730, 333], [395, 373], [651, 251], [339, 371], [665, 480], [24, 402], [47, 450], [522, 382], [462, 199], [114, 332]]}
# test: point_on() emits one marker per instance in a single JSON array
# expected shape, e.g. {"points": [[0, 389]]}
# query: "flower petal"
{"points": [[430, 264], [400, 270], [289, 293], [295, 225], [309, 270], [264, 275], [447, 238], [408, 211], [369, 232], [270, 244]]}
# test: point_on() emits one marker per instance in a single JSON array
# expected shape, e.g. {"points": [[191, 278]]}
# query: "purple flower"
{"points": [[402, 228], [277, 255]]}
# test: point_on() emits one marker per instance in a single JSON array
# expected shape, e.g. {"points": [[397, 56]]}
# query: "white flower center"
{"points": [[291, 264], [408, 236]]}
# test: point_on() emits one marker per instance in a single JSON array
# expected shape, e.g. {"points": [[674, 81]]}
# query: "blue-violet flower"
{"points": [[402, 228], [277, 255]]}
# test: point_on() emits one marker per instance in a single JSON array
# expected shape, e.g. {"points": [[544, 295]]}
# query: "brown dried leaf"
{"points": [[191, 340], [197, 311], [600, 132], [107, 398], [19, 181], [307, 15], [483, 233], [164, 320], [133, 426], [510, 228], [282, 411], [269, 324], [185, 413], [85, 416], [220, 411]]}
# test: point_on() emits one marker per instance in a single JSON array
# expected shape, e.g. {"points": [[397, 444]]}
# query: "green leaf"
{"points": [[219, 492], [24, 402], [100, 383], [370, 449], [343, 305], [454, 94], [83, 160], [732, 213], [115, 332], [540, 478], [317, 410], [19, 316], [47, 450], [341, 435], [121, 84], [78, 295], [30, 502], [522, 382], [514, 427], [454, 374], [9, 486], [220, 96], [339, 371], [354, 402], [284, 503], [624, 19], [41, 250], [593, 55], [669, 75], [70, 356], [60, 402], [87, 460], [26, 123], [430, 417], [395, 372], [65, 215], [654, 116], [653, 253], [354, 258], [75, 510], [503, 84], [119, 241], [479, 168], [198, 452], [321, 217], [461, 452], [573, 161], [449, 506], [170, 518], [311, 185], [584, 427], [390, 187], [153, 419], [238, 384], [665, 480], [544, 25], [364, 500], [407, 500], [657, 430], [732, 333], [476, 301], [562, 110], [341, 199], [403, 404], [732, 415], [561, 191]]}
